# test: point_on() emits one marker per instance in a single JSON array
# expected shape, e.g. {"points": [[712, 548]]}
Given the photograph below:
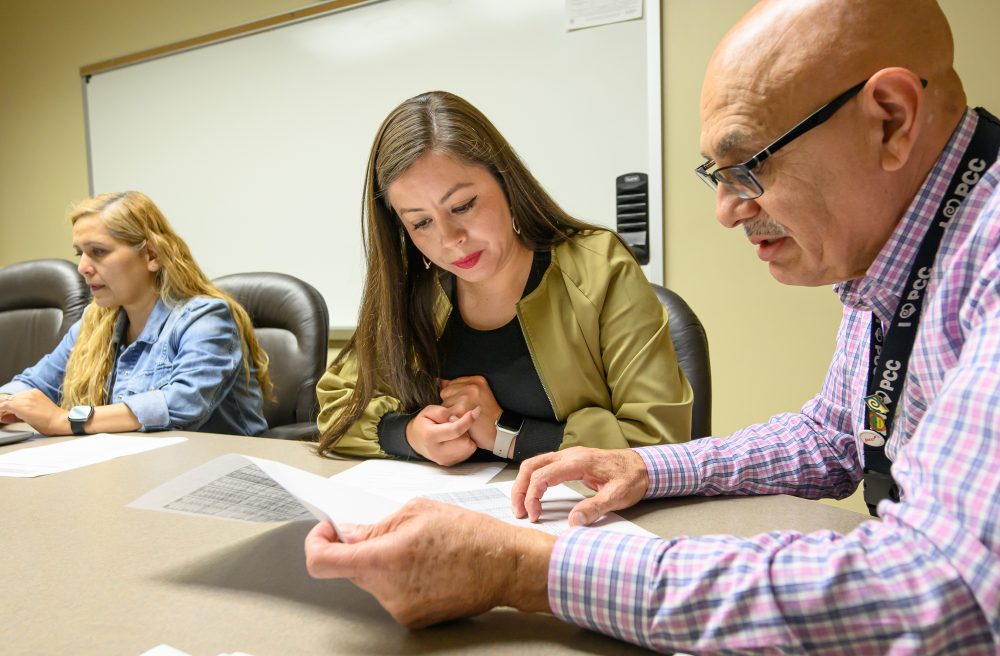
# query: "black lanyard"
{"points": [[890, 355]]}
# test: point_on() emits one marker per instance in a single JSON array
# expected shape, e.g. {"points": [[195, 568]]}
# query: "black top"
{"points": [[501, 356]]}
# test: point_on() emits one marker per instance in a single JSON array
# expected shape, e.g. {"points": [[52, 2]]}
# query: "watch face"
{"points": [[80, 412], [510, 422]]}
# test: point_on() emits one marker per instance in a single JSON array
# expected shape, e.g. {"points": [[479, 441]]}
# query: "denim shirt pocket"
{"points": [[149, 378], [153, 369]]}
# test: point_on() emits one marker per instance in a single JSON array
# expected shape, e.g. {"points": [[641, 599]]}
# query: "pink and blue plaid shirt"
{"points": [[923, 580]]}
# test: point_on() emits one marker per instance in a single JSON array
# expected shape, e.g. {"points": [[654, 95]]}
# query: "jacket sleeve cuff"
{"points": [[672, 471], [15, 387], [392, 435], [537, 437], [150, 408]]}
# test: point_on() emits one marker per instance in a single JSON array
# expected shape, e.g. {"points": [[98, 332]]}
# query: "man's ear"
{"points": [[893, 98]]}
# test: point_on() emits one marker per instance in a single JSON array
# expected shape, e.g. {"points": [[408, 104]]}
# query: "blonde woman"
{"points": [[159, 348], [492, 320]]}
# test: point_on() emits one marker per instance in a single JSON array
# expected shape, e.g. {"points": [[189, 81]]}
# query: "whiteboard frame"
{"points": [[656, 269]]}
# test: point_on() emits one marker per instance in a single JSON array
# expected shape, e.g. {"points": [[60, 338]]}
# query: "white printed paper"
{"points": [[591, 13], [167, 650], [90, 450], [250, 489], [164, 650], [401, 480], [246, 493], [558, 501]]}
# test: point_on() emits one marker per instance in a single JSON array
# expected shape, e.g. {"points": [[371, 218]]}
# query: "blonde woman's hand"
{"points": [[6, 417], [442, 436], [462, 394], [35, 409]]}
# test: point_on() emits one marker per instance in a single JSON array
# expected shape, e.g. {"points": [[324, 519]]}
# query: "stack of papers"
{"points": [[252, 489]]}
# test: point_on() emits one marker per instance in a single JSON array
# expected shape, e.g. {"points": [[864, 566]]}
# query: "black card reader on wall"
{"points": [[632, 203]]}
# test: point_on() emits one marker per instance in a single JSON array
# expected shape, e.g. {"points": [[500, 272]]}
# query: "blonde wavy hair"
{"points": [[132, 219]]}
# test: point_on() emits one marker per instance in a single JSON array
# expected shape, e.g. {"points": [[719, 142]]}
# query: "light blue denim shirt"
{"points": [[184, 372]]}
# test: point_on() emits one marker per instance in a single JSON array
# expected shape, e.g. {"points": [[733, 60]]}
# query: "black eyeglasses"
{"points": [[740, 177]]}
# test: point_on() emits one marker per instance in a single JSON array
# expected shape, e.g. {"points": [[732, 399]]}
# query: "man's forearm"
{"points": [[781, 591], [791, 454]]}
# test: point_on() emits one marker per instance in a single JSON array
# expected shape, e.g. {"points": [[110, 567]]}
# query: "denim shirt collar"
{"points": [[880, 289], [151, 331]]}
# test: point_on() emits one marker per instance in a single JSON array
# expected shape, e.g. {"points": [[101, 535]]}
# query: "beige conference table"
{"points": [[82, 574]]}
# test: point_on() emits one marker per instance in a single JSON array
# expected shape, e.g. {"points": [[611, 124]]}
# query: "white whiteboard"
{"points": [[255, 148]]}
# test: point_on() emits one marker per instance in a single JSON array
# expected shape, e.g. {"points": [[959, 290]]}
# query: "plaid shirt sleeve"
{"points": [[924, 580], [811, 454], [881, 589]]}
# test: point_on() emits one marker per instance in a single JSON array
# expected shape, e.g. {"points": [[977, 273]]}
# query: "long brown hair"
{"points": [[131, 218], [395, 343]]}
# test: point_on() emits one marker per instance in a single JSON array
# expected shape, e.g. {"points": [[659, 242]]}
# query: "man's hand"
{"points": [[619, 477], [35, 409], [463, 394], [439, 435], [430, 562]]}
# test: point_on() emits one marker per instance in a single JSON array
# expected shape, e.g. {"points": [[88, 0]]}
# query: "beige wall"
{"points": [[770, 344]]}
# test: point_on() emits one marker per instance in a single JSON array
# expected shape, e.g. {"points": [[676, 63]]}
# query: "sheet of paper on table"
{"points": [[167, 650], [402, 480], [241, 487], [236, 486], [494, 500], [83, 451]]}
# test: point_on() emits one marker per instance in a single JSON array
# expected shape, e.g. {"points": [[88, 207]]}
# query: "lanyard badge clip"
{"points": [[876, 424]]}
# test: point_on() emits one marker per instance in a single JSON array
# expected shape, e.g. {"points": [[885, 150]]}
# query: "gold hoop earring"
{"points": [[427, 263], [517, 230]]}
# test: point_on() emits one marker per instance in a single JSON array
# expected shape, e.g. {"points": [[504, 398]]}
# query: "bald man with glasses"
{"points": [[891, 193]]}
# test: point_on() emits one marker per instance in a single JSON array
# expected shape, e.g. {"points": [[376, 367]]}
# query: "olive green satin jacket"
{"points": [[601, 345]]}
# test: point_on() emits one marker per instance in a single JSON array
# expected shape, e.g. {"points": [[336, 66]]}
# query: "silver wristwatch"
{"points": [[79, 415]]}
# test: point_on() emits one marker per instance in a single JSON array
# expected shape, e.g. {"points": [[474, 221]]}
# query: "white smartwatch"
{"points": [[508, 426]]}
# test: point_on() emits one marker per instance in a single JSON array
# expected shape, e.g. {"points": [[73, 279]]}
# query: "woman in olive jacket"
{"points": [[492, 321]]}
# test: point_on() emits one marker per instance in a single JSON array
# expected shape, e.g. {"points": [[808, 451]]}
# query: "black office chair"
{"points": [[691, 345], [39, 301], [292, 324]]}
